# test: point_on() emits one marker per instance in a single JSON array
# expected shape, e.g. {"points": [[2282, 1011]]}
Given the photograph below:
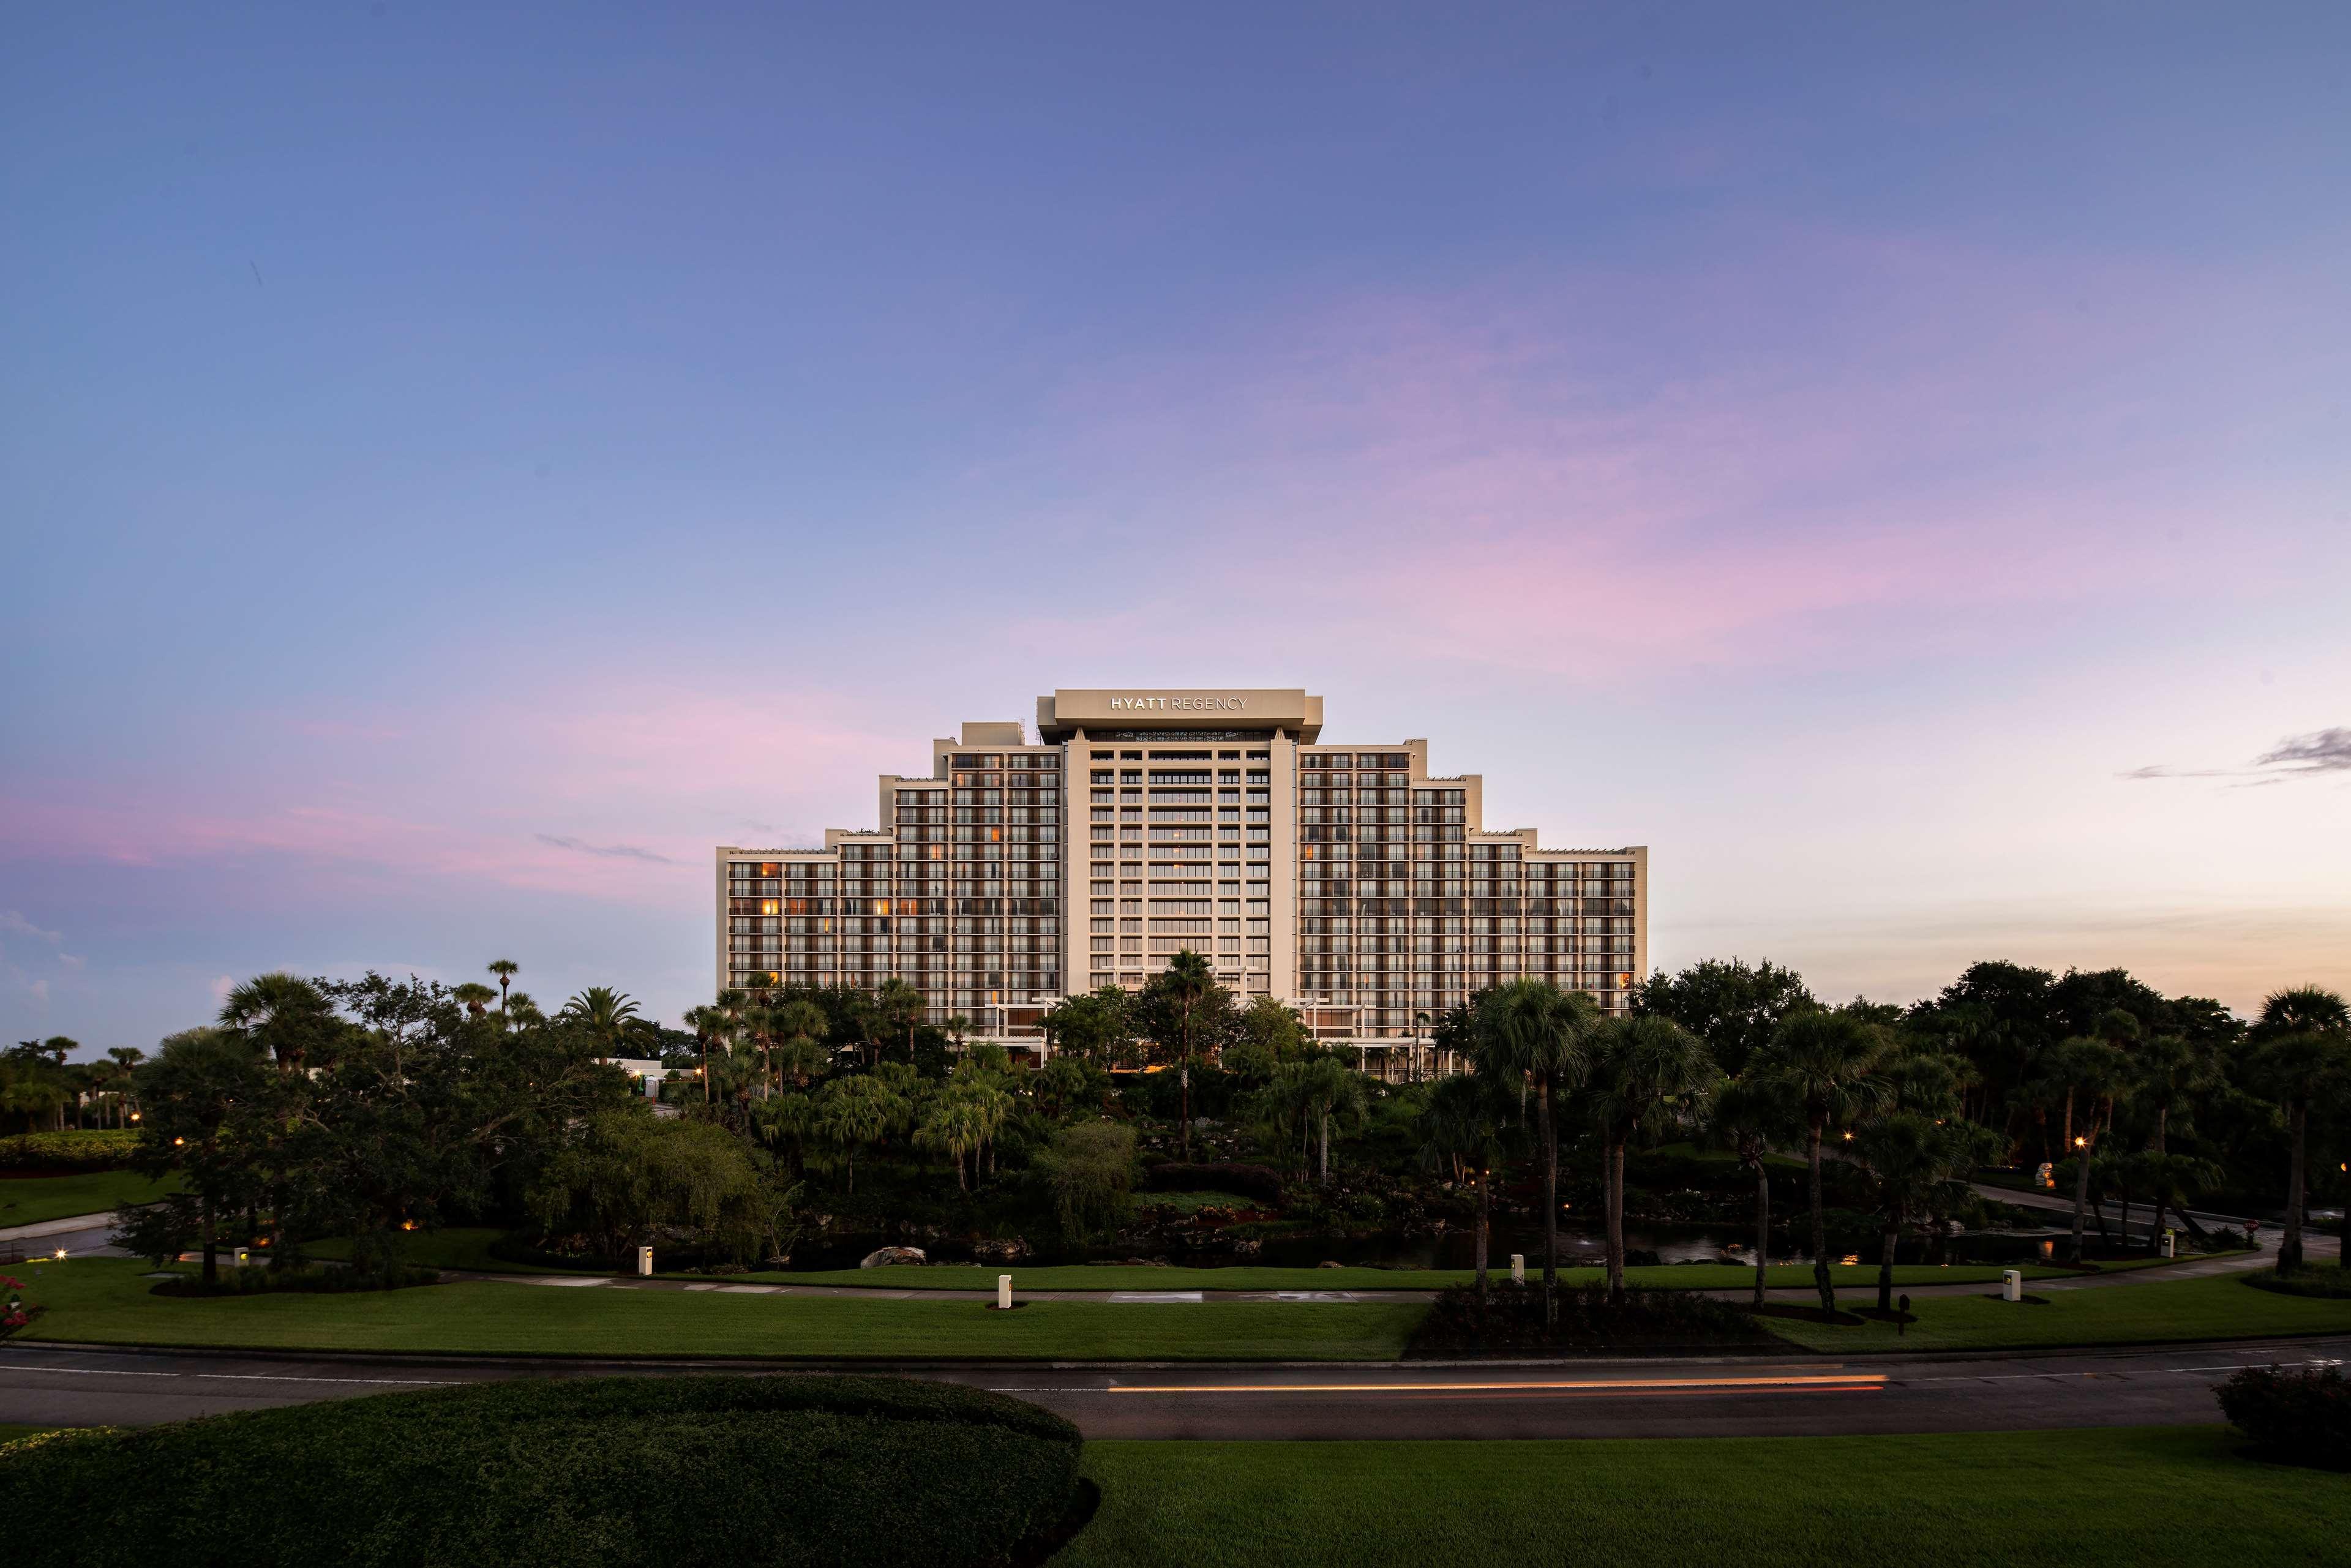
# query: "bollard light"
{"points": [[1004, 1292]]}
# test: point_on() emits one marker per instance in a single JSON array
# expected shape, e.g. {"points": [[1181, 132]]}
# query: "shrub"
{"points": [[1090, 1170], [2328, 1284], [87, 1150], [624, 1470], [1645, 1321], [1249, 1181], [2301, 1416], [255, 1281]]}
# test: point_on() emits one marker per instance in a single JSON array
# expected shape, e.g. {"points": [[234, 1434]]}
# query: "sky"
{"points": [[459, 464]]}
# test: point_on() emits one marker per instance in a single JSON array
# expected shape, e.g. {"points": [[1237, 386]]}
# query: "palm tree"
{"points": [[1913, 1159], [708, 1023], [505, 969], [609, 1016], [1419, 1030], [1186, 983], [474, 996], [1333, 1089], [1530, 1032], [800, 1027], [1463, 1125], [280, 1013], [1749, 1113], [2304, 1057], [1644, 1070], [855, 1111], [901, 1006], [2170, 1180], [2095, 1070], [126, 1059], [1825, 1062], [958, 1026]]}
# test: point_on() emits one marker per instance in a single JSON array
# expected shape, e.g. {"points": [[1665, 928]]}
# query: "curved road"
{"points": [[61, 1385]]}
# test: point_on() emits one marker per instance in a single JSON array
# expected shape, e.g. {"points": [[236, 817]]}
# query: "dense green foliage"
{"points": [[719, 1470], [93, 1149], [2300, 1416]]}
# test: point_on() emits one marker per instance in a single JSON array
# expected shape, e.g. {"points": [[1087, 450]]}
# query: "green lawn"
{"points": [[28, 1200], [2218, 1307], [2126, 1497], [106, 1301], [1119, 1277]]}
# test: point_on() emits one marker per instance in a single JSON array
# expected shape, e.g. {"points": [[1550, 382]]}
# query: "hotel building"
{"points": [[1344, 878]]}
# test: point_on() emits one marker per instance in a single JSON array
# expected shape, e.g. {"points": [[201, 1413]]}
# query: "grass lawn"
{"points": [[2218, 1307], [2073, 1499], [1241, 1277], [105, 1301], [28, 1200]]}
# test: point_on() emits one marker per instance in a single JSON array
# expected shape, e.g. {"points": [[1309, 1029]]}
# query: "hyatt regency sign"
{"points": [[1185, 704]]}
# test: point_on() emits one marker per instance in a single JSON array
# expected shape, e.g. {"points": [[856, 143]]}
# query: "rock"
{"points": [[1247, 1249], [1326, 1263], [1008, 1251], [884, 1257], [1146, 1262]]}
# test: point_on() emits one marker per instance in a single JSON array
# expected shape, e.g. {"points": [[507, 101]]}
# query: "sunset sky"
{"points": [[456, 467]]}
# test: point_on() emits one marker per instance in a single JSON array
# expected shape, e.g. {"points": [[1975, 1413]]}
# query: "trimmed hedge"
{"points": [[87, 1150], [1247, 1181], [2298, 1417], [2326, 1282], [719, 1470]]}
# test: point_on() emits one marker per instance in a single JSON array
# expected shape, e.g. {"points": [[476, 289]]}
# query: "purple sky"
{"points": [[457, 468]]}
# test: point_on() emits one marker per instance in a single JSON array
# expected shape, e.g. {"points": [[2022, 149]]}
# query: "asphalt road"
{"points": [[1732, 1397]]}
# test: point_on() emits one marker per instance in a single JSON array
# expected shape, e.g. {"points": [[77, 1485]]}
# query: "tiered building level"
{"points": [[1345, 879]]}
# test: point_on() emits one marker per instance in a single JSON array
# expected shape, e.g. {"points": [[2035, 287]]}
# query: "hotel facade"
{"points": [[1345, 879]]}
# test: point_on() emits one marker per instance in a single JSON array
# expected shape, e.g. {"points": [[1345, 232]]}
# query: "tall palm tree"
{"points": [[902, 1006], [1420, 1021], [2304, 1058], [1912, 1159], [126, 1059], [1188, 983], [505, 969], [1644, 1071], [1332, 1089], [799, 1027], [1465, 1124], [609, 1016], [1748, 1115], [708, 1023], [283, 1015], [2092, 1071], [1825, 1062], [852, 1112], [1532, 1033]]}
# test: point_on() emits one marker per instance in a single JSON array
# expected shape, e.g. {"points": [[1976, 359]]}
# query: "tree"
{"points": [[853, 1112], [1332, 1089], [505, 969], [1645, 1072], [607, 1016], [1179, 989], [1731, 1006], [1532, 1033], [1914, 1161], [1095, 1025], [1748, 1115], [798, 1027], [126, 1060], [287, 1019], [632, 1177], [474, 997], [198, 1093], [1091, 1169], [1825, 1062], [2095, 1070], [899, 1006], [2303, 1058], [1465, 1124]]}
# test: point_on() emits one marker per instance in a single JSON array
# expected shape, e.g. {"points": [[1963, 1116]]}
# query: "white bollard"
{"points": [[1518, 1268], [1004, 1292], [2171, 1242], [645, 1262], [240, 1258], [2011, 1284]]}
